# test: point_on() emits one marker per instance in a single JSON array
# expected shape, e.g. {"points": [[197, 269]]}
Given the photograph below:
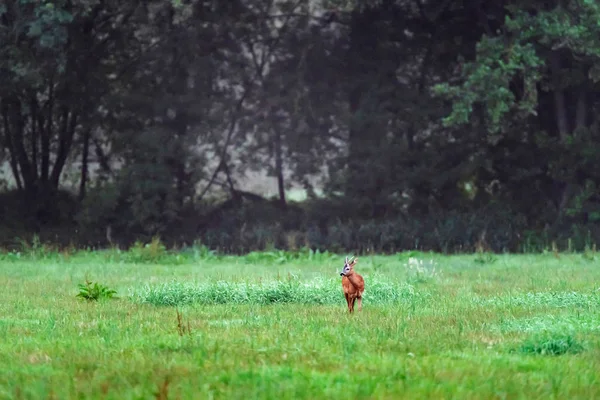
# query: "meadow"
{"points": [[194, 324]]}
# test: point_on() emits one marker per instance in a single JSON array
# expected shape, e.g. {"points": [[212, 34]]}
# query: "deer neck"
{"points": [[352, 278]]}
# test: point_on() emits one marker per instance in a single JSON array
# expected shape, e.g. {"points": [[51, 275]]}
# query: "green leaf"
{"points": [[35, 29]]}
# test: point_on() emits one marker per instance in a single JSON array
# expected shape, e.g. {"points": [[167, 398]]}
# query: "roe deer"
{"points": [[353, 284]]}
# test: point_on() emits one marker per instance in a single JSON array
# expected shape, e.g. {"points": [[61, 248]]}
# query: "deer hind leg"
{"points": [[359, 303]]}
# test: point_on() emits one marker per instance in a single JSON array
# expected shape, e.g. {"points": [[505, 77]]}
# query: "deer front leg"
{"points": [[347, 300], [353, 301], [359, 304]]}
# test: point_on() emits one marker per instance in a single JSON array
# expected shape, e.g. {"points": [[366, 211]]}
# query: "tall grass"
{"points": [[317, 291]]}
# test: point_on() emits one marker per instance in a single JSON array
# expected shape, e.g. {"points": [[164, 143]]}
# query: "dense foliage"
{"points": [[443, 125]]}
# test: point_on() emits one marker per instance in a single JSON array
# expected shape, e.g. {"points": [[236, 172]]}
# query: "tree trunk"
{"points": [[562, 123], [18, 145], [559, 97], [581, 109], [580, 124], [84, 163], [45, 136], [103, 159], [34, 133], [9, 145], [229, 179], [180, 172], [279, 168], [66, 134], [356, 144]]}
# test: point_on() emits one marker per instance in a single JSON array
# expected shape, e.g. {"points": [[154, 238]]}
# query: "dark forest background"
{"points": [[434, 124]]}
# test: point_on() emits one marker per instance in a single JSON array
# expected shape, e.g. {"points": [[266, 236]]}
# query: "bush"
{"points": [[262, 226], [251, 223]]}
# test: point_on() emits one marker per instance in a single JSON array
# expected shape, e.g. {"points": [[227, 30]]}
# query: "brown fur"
{"points": [[354, 286]]}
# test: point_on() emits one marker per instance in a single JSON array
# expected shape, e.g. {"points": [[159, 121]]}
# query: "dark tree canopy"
{"points": [[442, 124]]}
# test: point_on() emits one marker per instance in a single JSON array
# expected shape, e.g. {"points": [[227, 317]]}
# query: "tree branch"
{"points": [[230, 132]]}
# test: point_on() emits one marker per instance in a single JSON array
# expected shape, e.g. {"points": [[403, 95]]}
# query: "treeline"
{"points": [[443, 125]]}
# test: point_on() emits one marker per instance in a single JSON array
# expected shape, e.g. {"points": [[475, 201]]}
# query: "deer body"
{"points": [[353, 285]]}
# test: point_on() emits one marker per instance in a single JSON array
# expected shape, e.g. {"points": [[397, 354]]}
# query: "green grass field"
{"points": [[275, 326]]}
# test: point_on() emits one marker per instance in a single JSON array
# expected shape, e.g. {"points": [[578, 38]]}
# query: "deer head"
{"points": [[348, 266]]}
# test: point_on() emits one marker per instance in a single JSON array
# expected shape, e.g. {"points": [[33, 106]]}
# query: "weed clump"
{"points": [[552, 344], [93, 291]]}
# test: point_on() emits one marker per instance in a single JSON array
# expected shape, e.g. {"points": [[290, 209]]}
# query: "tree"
{"points": [[59, 60], [538, 73]]}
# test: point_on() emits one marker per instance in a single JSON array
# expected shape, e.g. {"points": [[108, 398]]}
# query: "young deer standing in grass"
{"points": [[353, 284]]}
